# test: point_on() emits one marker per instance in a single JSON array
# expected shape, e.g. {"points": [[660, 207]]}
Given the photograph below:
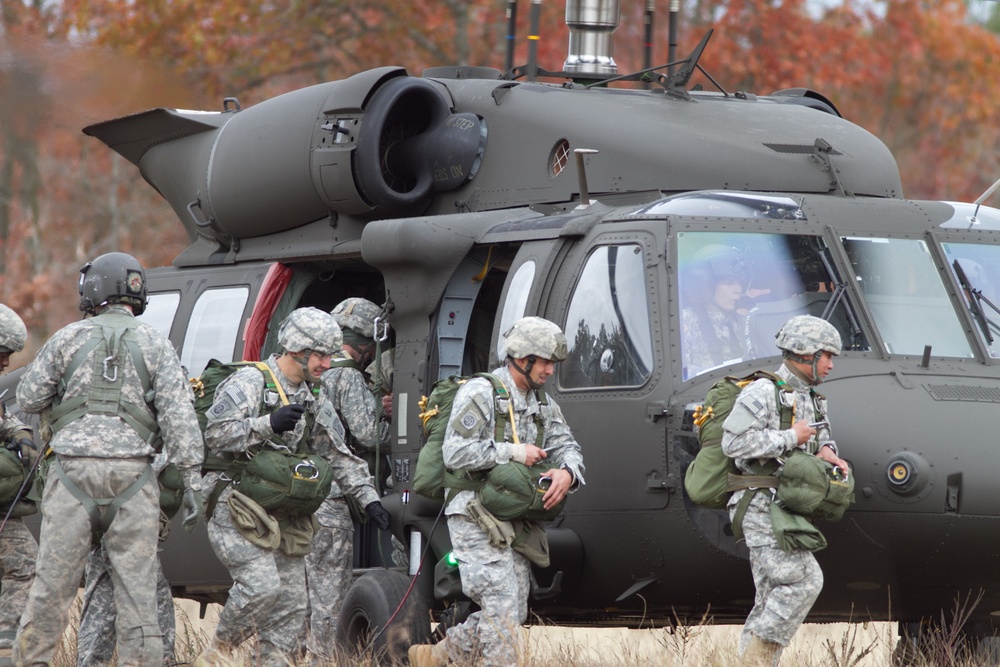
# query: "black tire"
{"points": [[368, 606]]}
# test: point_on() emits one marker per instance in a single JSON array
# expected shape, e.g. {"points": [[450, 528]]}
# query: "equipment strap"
{"points": [[99, 524]]}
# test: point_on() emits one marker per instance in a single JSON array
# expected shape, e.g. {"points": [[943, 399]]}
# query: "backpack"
{"points": [[705, 479], [509, 490], [280, 481]]}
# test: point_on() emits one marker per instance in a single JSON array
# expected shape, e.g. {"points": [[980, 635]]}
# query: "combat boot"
{"points": [[428, 655], [760, 653]]}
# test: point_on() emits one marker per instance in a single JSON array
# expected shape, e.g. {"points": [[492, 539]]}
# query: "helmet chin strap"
{"points": [[526, 371], [815, 379], [304, 363]]}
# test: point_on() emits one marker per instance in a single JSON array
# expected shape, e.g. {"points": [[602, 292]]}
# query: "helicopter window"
{"points": [[980, 282], [213, 328], [607, 327], [516, 302], [726, 204], [160, 311], [905, 294], [737, 289]]}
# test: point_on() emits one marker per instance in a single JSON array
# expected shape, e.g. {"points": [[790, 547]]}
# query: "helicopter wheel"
{"points": [[368, 606]]}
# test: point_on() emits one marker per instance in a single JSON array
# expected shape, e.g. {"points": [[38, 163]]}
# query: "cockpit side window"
{"points": [[736, 290], [214, 327], [516, 302], [980, 284], [160, 311], [608, 323]]}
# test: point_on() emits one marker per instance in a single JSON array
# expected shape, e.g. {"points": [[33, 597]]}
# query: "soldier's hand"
{"points": [[193, 509], [378, 514], [803, 431], [533, 455], [387, 406], [284, 418]]}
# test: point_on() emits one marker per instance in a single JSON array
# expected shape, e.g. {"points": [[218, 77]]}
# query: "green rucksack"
{"points": [[509, 490], [280, 481], [705, 479], [12, 473]]}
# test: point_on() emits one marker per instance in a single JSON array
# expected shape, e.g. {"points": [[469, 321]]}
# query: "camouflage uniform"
{"points": [[697, 353], [496, 578], [95, 638], [269, 587], [787, 583], [329, 566], [18, 552], [103, 456]]}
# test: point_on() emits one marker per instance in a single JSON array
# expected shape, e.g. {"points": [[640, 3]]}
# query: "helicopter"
{"points": [[465, 198]]}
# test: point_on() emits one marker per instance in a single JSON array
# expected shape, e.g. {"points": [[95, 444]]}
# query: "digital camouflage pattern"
{"points": [[103, 456], [358, 315], [537, 336], [349, 392], [310, 329], [269, 595], [496, 578], [787, 584], [18, 548], [95, 638], [697, 354], [329, 573], [804, 335], [13, 333]]}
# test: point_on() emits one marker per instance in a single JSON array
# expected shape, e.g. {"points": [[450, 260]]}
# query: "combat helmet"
{"points": [[535, 336], [310, 329], [115, 277], [804, 336], [357, 315], [13, 333]]}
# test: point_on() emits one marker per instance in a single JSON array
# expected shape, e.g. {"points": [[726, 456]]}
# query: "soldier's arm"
{"points": [[233, 422], [468, 440], [350, 472], [747, 432], [38, 385], [174, 403], [562, 447], [357, 406]]}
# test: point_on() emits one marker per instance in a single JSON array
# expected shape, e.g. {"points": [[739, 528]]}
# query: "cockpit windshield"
{"points": [[977, 269], [737, 289], [906, 296]]}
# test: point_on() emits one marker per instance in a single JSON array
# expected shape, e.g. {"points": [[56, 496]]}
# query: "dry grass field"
{"points": [[815, 645]]}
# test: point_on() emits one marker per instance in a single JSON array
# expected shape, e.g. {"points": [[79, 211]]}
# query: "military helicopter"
{"points": [[465, 198]]}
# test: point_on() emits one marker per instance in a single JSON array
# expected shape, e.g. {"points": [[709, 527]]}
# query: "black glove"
{"points": [[378, 514], [193, 509], [283, 419]]}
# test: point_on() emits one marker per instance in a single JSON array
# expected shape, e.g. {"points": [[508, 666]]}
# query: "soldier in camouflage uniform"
{"points": [[345, 385], [268, 595], [712, 330], [18, 549], [787, 583], [496, 577], [114, 387]]}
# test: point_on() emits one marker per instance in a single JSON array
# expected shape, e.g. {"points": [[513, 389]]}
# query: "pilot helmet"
{"points": [[357, 315], [13, 333], [115, 277], [310, 329], [535, 336], [805, 335], [711, 265]]}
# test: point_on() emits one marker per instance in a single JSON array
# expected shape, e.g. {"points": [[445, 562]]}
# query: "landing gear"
{"points": [[370, 603]]}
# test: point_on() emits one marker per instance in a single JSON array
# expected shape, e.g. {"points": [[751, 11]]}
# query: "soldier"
{"points": [[345, 385], [787, 583], [497, 577], [268, 595], [712, 329], [115, 390], [18, 549]]}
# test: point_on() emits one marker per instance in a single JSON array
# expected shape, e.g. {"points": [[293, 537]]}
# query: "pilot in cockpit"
{"points": [[712, 326]]}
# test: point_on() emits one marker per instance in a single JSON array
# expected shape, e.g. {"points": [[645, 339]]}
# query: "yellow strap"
{"points": [[510, 411], [264, 368]]}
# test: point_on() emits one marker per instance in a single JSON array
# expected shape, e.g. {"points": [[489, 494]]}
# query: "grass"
{"points": [[704, 644]]}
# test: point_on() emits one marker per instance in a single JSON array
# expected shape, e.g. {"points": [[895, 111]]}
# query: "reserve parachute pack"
{"points": [[510, 490], [706, 478], [280, 481]]}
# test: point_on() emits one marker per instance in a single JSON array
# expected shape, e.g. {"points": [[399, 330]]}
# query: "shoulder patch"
{"points": [[469, 421]]}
